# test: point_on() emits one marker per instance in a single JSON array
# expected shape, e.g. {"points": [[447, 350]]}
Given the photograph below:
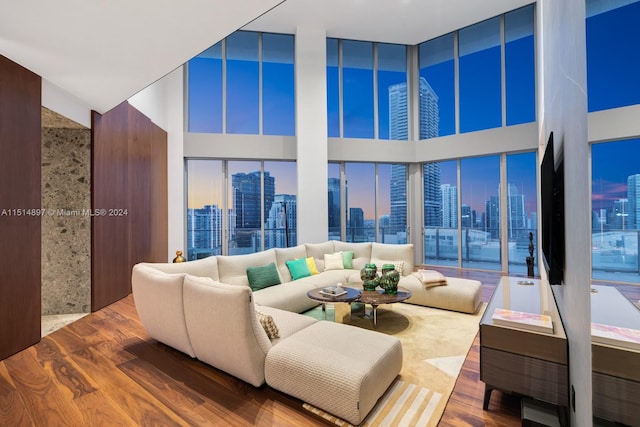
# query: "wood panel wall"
{"points": [[129, 192], [20, 162]]}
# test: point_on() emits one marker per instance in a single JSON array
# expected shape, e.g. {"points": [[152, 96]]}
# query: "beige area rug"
{"points": [[435, 344]]}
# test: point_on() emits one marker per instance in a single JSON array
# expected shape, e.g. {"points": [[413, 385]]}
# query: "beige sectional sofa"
{"points": [[207, 309]]}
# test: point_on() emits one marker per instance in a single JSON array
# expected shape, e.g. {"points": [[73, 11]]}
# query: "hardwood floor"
{"points": [[105, 370]]}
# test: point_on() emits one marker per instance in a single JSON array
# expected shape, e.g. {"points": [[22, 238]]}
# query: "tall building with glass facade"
{"points": [[333, 200], [247, 204], [449, 205], [204, 231], [281, 224], [633, 195]]}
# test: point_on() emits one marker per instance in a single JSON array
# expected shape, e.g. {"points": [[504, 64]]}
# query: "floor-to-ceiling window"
{"points": [[281, 218], [615, 203], [613, 66], [441, 216], [480, 190], [392, 91], [392, 203], [205, 207], [480, 76], [361, 202], [520, 78], [243, 84], [436, 88], [357, 89], [522, 208]]}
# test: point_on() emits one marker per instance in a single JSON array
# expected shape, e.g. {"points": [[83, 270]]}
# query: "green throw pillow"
{"points": [[263, 277], [298, 268], [347, 257]]}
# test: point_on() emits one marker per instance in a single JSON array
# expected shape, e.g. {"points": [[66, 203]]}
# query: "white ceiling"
{"points": [[393, 21], [104, 51]]}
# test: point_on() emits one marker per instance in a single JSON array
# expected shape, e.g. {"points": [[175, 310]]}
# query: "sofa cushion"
{"points": [[311, 263], [392, 253], [333, 261], [361, 252], [232, 269], [268, 325], [347, 259], [298, 268], [224, 329], [205, 267], [317, 251], [158, 299], [286, 254], [290, 296], [263, 276]]}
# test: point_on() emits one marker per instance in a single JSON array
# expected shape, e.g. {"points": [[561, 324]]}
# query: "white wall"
{"points": [[65, 104], [563, 109], [163, 103]]}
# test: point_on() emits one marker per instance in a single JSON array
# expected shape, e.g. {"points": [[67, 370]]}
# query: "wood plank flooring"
{"points": [[105, 370]]}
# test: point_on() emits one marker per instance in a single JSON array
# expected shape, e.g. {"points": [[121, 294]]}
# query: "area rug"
{"points": [[435, 344]]}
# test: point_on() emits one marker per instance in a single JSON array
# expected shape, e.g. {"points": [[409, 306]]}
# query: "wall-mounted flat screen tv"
{"points": [[552, 213]]}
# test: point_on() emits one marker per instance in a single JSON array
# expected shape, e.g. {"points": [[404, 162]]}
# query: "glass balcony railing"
{"points": [[615, 255]]}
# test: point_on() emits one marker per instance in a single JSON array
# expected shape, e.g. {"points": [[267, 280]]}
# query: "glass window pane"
{"points": [[392, 203], [357, 74], [480, 185], [278, 93], [334, 201], [613, 63], [522, 206], [205, 205], [361, 198], [392, 91], [441, 213], [333, 89], [245, 201], [480, 81], [242, 83], [281, 221], [615, 205], [437, 88], [205, 91], [520, 66]]}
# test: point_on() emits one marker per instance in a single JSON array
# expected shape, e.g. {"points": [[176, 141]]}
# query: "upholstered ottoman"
{"points": [[457, 295], [338, 368]]}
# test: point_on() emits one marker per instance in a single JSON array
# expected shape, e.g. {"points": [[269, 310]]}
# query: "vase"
{"points": [[179, 257], [389, 279], [369, 276]]}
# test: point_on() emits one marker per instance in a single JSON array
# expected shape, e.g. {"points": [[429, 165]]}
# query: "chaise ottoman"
{"points": [[457, 295], [338, 368]]}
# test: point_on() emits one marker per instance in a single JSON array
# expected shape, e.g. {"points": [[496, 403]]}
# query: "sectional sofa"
{"points": [[240, 314]]}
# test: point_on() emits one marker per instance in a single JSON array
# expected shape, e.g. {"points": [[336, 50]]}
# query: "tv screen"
{"points": [[552, 213]]}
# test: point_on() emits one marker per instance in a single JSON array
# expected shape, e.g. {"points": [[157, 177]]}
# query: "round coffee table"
{"points": [[377, 297], [344, 299]]}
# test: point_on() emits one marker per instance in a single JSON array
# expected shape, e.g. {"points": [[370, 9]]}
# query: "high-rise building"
{"points": [[516, 214], [432, 195], [633, 194], [281, 224], [449, 205], [620, 218], [247, 202], [467, 217], [398, 199], [356, 225], [334, 205], [398, 117], [204, 232], [429, 111]]}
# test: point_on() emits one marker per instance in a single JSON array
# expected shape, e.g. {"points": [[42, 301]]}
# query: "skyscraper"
{"points": [[399, 130], [633, 195], [204, 231], [247, 204], [517, 214], [334, 205], [620, 218], [449, 205], [281, 223]]}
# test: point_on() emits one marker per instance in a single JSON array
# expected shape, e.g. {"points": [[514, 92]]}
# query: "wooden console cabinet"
{"points": [[527, 363], [616, 369]]}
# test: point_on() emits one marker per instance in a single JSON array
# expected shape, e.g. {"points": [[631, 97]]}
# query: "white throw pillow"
{"points": [[398, 265], [333, 261]]}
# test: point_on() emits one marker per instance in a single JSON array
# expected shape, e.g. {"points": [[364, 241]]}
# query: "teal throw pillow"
{"points": [[298, 268], [347, 257], [263, 277]]}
